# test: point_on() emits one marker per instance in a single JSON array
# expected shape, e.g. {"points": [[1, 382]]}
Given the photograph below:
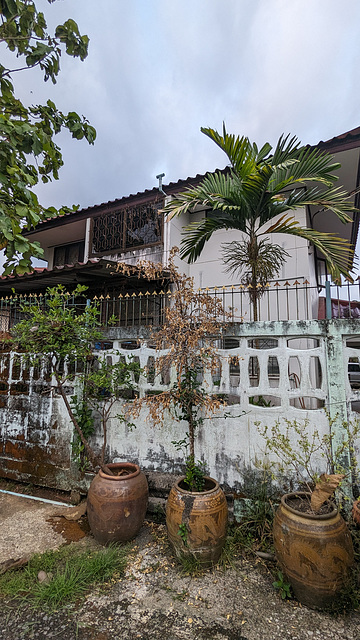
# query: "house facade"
{"points": [[81, 246], [292, 364]]}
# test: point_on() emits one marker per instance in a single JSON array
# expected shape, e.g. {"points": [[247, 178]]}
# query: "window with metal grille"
{"points": [[127, 228]]}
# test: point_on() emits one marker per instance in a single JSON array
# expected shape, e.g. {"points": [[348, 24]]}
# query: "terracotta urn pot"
{"points": [[356, 512], [197, 521], [116, 505], [314, 551]]}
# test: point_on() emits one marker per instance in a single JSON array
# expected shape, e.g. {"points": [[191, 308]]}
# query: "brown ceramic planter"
{"points": [[314, 551], [204, 515], [356, 512], [116, 505]]}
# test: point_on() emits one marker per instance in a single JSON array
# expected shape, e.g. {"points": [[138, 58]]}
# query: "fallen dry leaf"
{"points": [[325, 489], [12, 564], [74, 513]]}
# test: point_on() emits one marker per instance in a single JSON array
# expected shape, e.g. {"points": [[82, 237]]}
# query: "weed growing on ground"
{"points": [[158, 515], [70, 574], [255, 529], [190, 565], [348, 599], [253, 533], [282, 586], [183, 533]]}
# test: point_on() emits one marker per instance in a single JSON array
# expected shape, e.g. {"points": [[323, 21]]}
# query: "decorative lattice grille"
{"points": [[127, 228]]}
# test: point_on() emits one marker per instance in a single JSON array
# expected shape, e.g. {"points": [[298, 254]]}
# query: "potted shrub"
{"points": [[59, 331], [312, 542], [196, 512]]}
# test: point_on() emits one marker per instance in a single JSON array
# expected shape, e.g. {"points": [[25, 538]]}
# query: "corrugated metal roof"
{"points": [[41, 271]]}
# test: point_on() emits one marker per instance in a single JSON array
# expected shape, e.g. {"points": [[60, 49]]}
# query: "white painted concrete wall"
{"points": [[229, 441]]}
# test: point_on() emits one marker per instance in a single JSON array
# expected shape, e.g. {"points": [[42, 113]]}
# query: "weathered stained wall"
{"points": [[297, 368], [35, 430]]}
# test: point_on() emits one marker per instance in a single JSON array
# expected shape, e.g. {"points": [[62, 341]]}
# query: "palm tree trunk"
{"points": [[253, 254]]}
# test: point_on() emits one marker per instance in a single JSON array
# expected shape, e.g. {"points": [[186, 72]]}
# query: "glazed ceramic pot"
{"points": [[197, 521], [314, 551], [116, 505], [356, 512]]}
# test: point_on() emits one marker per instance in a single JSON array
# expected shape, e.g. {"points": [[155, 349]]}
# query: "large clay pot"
{"points": [[200, 518], [314, 551], [356, 512], [116, 505]]}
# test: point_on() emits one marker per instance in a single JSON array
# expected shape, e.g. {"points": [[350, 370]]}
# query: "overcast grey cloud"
{"points": [[158, 70]]}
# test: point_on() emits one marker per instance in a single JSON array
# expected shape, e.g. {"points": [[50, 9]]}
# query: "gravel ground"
{"points": [[154, 601]]}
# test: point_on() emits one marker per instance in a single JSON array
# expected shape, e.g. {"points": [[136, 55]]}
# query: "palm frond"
{"points": [[309, 165], [254, 262], [333, 199], [197, 233], [263, 153], [337, 251], [214, 187], [242, 154], [314, 164], [287, 148]]}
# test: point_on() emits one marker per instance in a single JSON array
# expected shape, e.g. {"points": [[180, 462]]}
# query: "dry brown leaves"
{"points": [[325, 489], [186, 341]]}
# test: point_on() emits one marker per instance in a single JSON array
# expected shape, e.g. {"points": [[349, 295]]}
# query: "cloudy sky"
{"points": [[158, 70]]}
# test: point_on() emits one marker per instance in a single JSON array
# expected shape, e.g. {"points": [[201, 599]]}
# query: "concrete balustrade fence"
{"points": [[267, 372]]}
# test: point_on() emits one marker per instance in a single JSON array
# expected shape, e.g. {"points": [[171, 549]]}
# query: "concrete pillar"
{"points": [[336, 374]]}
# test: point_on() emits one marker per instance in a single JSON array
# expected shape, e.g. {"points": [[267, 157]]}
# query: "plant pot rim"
{"points": [[309, 516], [197, 493], [121, 465]]}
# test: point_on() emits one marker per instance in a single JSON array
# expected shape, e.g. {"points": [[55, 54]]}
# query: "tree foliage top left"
{"points": [[28, 151]]}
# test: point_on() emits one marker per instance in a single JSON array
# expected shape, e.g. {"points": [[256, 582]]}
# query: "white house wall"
{"points": [[209, 269]]}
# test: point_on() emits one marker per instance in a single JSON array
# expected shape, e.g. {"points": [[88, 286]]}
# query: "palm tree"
{"points": [[255, 195]]}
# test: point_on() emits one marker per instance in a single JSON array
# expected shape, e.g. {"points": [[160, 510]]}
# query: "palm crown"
{"points": [[258, 192]]}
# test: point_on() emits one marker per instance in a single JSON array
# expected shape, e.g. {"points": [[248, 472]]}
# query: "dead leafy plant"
{"points": [[186, 347]]}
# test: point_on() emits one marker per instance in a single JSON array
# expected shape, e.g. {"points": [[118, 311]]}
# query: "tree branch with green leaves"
{"points": [[28, 151]]}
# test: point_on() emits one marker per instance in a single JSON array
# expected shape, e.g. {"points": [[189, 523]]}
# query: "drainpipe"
{"points": [[328, 300], [87, 240], [159, 177], [166, 227], [23, 495]]}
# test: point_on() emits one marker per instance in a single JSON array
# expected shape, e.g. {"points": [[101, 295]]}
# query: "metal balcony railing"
{"points": [[291, 299]]}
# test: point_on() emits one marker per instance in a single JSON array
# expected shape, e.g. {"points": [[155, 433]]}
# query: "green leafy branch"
{"points": [[28, 151]]}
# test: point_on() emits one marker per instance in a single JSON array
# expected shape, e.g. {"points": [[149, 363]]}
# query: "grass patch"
{"points": [[190, 565], [71, 573]]}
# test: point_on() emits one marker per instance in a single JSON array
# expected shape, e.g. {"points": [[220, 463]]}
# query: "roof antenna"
{"points": [[159, 177]]}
